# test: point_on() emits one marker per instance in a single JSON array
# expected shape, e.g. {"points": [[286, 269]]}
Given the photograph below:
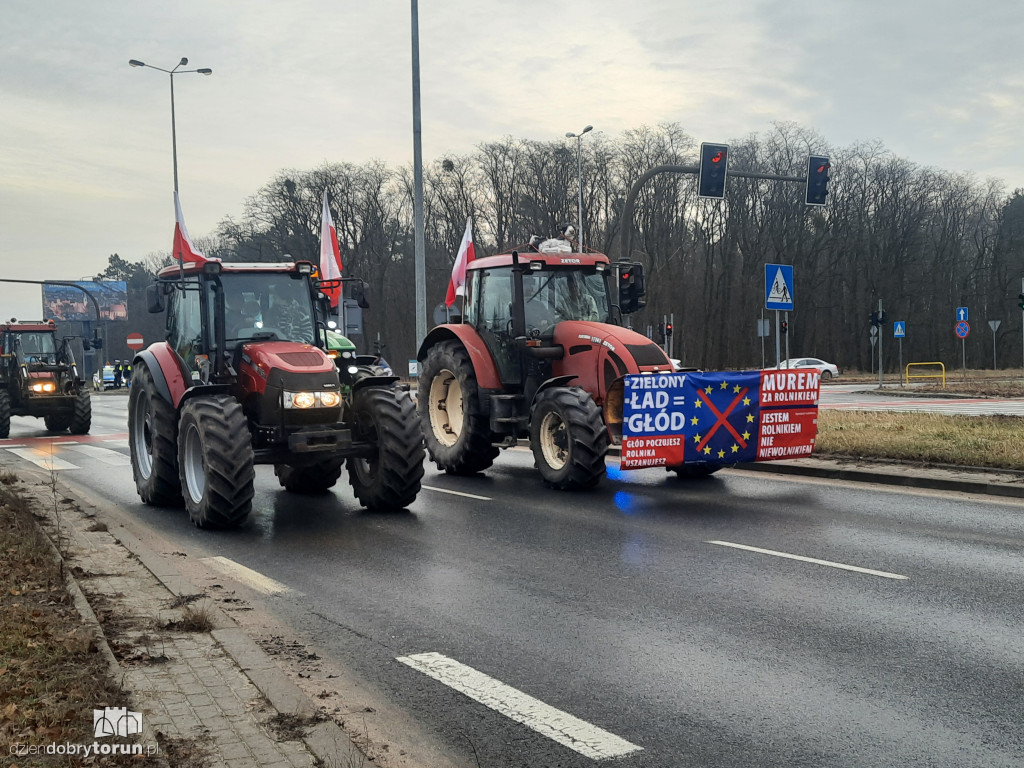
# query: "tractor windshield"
{"points": [[272, 305], [37, 347], [555, 295]]}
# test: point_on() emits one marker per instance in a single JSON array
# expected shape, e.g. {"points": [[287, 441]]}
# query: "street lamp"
{"points": [[579, 173], [172, 73]]}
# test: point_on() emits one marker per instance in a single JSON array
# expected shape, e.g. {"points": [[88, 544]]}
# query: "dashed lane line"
{"points": [[568, 730], [249, 577], [814, 560], [455, 493]]}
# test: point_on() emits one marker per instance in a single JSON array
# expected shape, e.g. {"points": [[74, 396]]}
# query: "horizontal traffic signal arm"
{"points": [[630, 204]]}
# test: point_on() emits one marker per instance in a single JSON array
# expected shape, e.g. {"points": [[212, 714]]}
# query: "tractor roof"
{"points": [[588, 259], [21, 326], [192, 268]]}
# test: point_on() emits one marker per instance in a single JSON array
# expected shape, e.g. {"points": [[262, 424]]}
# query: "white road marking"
{"points": [[570, 731], [456, 493], [12, 445], [829, 563], [249, 577], [105, 455], [47, 461]]}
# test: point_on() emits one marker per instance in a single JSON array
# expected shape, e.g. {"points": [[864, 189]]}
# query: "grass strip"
{"points": [[976, 441]]}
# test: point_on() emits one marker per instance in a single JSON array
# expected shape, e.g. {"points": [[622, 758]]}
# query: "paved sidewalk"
{"points": [[208, 694]]}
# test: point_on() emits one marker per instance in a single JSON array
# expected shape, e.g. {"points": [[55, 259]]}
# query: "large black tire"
{"points": [[386, 416], [215, 461], [5, 413], [568, 438], [81, 419], [57, 422], [692, 471], [312, 478], [153, 443], [455, 430]]}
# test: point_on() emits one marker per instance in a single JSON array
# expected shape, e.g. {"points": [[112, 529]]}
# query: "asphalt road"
{"points": [[867, 397], [652, 622]]}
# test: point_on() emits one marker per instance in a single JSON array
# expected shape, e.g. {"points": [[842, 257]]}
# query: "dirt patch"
{"points": [[51, 672]]}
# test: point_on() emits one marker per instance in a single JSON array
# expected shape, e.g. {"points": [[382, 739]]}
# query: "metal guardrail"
{"points": [[941, 375]]}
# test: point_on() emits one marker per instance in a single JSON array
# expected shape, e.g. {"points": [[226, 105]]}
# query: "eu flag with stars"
{"points": [[721, 412]]}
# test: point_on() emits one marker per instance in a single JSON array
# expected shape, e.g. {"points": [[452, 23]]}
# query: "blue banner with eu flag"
{"points": [[718, 418]]}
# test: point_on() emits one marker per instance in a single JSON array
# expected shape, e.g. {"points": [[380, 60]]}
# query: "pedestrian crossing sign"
{"points": [[778, 286], [899, 329]]}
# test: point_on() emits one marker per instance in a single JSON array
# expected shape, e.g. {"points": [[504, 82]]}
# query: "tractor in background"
{"points": [[39, 377]]}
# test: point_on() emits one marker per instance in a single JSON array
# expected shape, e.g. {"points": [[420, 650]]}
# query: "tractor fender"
{"points": [[483, 364], [554, 381], [168, 375], [374, 381]]}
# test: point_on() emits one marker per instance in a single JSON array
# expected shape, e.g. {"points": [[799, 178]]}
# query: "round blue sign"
{"points": [[963, 329]]}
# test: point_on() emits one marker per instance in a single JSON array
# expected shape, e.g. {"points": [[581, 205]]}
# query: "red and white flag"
{"points": [[330, 254], [183, 248], [457, 285]]}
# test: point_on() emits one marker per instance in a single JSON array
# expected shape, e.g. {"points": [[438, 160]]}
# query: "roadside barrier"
{"points": [[941, 375]]}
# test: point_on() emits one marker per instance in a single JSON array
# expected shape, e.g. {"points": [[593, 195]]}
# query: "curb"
{"points": [[893, 473], [328, 743]]}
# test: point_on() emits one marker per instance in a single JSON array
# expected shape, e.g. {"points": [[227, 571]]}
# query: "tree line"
{"points": [[920, 239]]}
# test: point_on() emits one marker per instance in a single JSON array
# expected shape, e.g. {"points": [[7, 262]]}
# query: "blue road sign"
{"points": [[961, 314], [963, 329], [899, 329], [778, 286]]}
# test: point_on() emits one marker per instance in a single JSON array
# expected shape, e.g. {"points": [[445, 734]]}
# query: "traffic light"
{"points": [[631, 288], [661, 332], [668, 329], [817, 179], [784, 326], [714, 161], [1020, 303]]}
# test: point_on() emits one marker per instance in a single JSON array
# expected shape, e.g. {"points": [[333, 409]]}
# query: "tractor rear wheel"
{"points": [[456, 432], [568, 438], [216, 461], [152, 443], [691, 471], [309, 479], [5, 413], [386, 417], [81, 419], [57, 422]]}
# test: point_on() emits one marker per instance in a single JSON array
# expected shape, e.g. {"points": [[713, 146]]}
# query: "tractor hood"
{"points": [[287, 356], [598, 354]]}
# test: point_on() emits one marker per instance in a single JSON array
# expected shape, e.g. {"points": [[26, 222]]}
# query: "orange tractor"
{"points": [[540, 353]]}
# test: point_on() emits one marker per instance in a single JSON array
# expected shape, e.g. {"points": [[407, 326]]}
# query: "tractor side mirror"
{"points": [[155, 298], [632, 288], [359, 294]]}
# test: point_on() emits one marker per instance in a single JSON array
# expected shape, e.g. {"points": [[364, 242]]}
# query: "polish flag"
{"points": [[457, 285], [330, 254], [183, 248]]}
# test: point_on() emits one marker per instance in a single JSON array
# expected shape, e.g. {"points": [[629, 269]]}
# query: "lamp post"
{"points": [[579, 174], [172, 73]]}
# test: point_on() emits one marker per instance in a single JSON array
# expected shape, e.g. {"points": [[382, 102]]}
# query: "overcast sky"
{"points": [[85, 140]]}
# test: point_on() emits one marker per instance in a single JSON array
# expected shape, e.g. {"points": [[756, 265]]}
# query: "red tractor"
{"points": [[244, 378], [39, 377], [540, 353]]}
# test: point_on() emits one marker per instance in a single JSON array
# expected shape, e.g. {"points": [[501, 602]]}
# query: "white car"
{"points": [[828, 370]]}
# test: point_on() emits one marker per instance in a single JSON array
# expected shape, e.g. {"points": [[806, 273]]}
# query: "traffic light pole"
{"points": [[880, 335]]}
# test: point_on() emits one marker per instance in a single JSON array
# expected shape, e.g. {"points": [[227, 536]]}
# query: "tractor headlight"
{"points": [[305, 400], [44, 386]]}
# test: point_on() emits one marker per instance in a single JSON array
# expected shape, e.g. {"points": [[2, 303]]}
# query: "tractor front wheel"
{"points": [[386, 418], [216, 461], [568, 438], [152, 443], [81, 419], [456, 432], [57, 422], [5, 413]]}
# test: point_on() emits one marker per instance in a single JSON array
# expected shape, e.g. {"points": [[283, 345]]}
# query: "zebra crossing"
{"points": [[60, 453]]}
